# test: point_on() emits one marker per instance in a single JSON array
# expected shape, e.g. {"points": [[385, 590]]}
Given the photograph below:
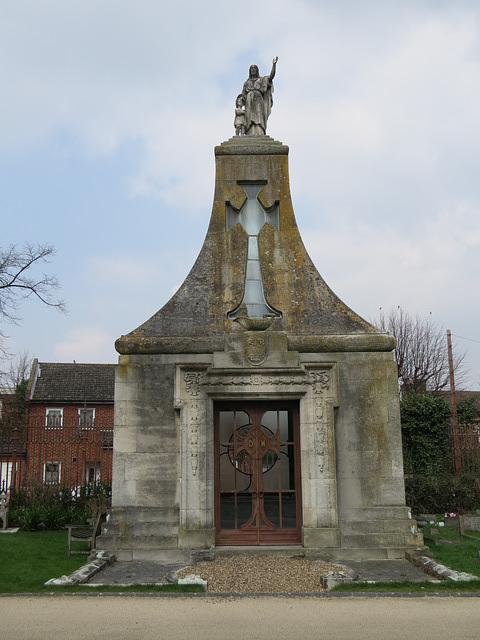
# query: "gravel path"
{"points": [[152, 618], [261, 575]]}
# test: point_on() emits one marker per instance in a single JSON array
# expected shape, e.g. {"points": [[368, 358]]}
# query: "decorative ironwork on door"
{"points": [[257, 473]]}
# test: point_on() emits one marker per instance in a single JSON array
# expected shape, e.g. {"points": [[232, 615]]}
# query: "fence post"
{"points": [[15, 439], [453, 401]]}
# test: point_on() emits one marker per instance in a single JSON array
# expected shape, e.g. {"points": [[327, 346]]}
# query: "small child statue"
{"points": [[240, 117]]}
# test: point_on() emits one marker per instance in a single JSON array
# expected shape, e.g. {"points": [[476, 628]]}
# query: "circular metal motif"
{"points": [[244, 461]]}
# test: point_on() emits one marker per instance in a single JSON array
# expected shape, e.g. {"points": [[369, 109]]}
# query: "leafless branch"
{"points": [[18, 280], [421, 352], [17, 370]]}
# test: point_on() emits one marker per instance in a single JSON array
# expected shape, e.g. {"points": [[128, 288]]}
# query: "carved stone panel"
{"points": [[255, 347], [315, 385]]}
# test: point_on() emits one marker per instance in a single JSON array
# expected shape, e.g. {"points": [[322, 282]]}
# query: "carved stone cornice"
{"points": [[254, 145], [342, 343], [197, 382]]}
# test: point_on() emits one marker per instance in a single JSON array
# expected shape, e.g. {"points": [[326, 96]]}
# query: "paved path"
{"points": [[136, 572], [146, 572], [145, 618]]}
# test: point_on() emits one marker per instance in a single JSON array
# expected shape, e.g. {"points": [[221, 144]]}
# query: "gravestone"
{"points": [[255, 408]]}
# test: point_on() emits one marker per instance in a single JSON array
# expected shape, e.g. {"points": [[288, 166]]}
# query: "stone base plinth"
{"points": [[196, 539], [320, 538], [136, 533]]}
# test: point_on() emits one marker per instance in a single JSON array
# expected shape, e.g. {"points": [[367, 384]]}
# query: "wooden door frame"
{"points": [[257, 536]]}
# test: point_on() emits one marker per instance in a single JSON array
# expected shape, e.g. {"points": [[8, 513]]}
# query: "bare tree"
{"points": [[421, 351], [19, 279], [17, 371]]}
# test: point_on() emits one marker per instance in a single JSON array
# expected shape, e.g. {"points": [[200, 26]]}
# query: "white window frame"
{"points": [[6, 468], [56, 409], [88, 426], [59, 466], [97, 466]]}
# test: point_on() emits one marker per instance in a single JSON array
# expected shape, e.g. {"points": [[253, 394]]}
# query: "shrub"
{"points": [[27, 518], [442, 494], [467, 414], [48, 507], [425, 419], [77, 515], [53, 517], [41, 495]]}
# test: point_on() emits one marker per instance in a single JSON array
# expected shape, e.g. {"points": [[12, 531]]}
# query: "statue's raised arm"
{"points": [[274, 68], [257, 95]]}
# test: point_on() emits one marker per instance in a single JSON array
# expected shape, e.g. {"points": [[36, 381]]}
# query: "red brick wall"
{"points": [[69, 444]]}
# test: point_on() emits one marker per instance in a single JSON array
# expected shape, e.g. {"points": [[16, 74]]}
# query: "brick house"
{"points": [[69, 423], [6, 446]]}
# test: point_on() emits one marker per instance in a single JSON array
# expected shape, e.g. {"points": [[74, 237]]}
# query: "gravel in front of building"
{"points": [[240, 574]]}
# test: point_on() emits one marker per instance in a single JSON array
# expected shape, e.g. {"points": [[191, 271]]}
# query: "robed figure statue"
{"points": [[257, 94]]}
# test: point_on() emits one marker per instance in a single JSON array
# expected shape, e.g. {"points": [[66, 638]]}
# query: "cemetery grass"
{"points": [[462, 557], [29, 559]]}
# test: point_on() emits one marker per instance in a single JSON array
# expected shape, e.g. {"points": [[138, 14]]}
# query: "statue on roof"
{"points": [[257, 97], [240, 116]]}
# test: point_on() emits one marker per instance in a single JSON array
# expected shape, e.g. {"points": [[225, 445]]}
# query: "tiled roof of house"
{"points": [[73, 383]]}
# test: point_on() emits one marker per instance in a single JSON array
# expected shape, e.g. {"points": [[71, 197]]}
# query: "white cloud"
{"points": [[85, 344], [121, 272], [363, 107], [378, 102]]}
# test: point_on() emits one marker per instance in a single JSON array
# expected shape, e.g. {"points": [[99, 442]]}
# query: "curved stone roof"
{"points": [[198, 318]]}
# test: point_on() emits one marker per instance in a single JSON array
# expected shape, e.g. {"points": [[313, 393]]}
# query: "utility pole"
{"points": [[453, 402]]}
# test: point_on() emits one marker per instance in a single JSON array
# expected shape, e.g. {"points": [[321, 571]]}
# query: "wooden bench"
{"points": [[84, 533], [4, 500]]}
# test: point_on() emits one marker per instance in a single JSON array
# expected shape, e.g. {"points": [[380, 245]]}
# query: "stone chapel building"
{"points": [[255, 408]]}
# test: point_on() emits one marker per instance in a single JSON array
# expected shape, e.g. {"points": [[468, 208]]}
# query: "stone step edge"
{"points": [[430, 566], [97, 560]]}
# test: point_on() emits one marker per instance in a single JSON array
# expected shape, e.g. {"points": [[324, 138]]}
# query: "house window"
{"points": [[54, 418], [51, 472], [92, 472], [106, 436], [5, 475], [86, 418]]}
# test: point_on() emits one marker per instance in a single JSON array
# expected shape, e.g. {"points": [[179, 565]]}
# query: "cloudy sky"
{"points": [[111, 109]]}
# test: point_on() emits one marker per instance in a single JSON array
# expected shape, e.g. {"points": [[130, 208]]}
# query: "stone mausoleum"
{"points": [[255, 408]]}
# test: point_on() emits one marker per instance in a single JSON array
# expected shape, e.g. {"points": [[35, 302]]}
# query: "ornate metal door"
{"points": [[257, 473]]}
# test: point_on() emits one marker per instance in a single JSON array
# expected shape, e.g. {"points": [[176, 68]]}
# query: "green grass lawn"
{"points": [[463, 557], [29, 559]]}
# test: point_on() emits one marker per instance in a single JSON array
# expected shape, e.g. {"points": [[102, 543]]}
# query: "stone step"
{"points": [[377, 526], [372, 540], [275, 551], [143, 514], [154, 555], [136, 542], [365, 514], [138, 529], [345, 556]]}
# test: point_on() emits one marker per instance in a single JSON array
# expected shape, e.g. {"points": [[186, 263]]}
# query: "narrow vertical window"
{"points": [[86, 418], [53, 418]]}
